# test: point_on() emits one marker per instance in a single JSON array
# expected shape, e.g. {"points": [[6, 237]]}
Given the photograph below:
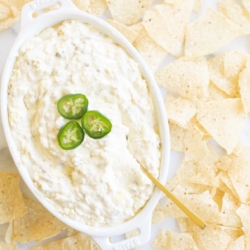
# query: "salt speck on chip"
{"points": [[37, 224], [170, 240], [151, 52], [209, 33], [166, 24], [127, 11], [11, 199], [129, 33], [180, 110], [187, 77], [224, 120]]}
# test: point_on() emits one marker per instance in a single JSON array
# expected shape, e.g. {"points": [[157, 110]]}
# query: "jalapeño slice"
{"points": [[73, 106], [95, 124], [70, 135]]}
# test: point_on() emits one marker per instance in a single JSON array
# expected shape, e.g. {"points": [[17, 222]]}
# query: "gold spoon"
{"points": [[199, 222]]}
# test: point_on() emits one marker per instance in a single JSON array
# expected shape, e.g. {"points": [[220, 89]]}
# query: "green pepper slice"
{"points": [[73, 106], [70, 135], [95, 124]]}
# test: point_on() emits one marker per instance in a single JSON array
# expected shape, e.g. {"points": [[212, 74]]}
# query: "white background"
{"points": [[7, 37]]}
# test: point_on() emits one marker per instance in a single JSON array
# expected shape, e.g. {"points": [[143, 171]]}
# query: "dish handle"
{"points": [[37, 6], [145, 232]]}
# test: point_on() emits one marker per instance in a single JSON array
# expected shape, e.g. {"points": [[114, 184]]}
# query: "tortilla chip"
{"points": [[187, 77], [129, 33], [10, 12], [244, 213], [198, 203], [37, 224], [97, 7], [159, 214], [4, 246], [172, 241], [240, 175], [132, 233], [224, 120], [246, 3], [71, 231], [229, 217], [198, 5], [166, 24], [195, 148], [171, 183], [235, 13], [127, 11], [151, 52], [11, 200], [239, 148], [223, 163], [234, 63], [82, 4], [245, 89], [238, 244], [183, 224], [211, 238], [5, 11], [227, 181], [79, 241], [176, 137], [209, 33], [216, 94], [180, 111], [216, 73], [234, 233]]}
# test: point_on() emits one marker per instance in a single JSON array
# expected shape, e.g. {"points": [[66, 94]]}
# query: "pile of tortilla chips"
{"points": [[208, 99]]}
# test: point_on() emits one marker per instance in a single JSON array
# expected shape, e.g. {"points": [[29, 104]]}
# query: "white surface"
{"points": [[6, 163]]}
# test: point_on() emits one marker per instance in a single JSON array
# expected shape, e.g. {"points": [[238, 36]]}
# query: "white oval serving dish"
{"points": [[30, 27]]}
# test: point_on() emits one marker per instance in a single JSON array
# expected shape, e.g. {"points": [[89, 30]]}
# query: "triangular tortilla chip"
{"points": [[216, 73], [209, 33], [166, 24], [37, 224], [151, 52], [180, 111], [187, 77], [11, 199], [224, 120], [170, 240], [129, 33], [127, 11], [236, 13]]}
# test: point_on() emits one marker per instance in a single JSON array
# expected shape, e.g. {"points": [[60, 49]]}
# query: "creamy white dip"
{"points": [[100, 182]]}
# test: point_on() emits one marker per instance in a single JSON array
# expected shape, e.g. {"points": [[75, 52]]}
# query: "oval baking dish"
{"points": [[30, 27]]}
